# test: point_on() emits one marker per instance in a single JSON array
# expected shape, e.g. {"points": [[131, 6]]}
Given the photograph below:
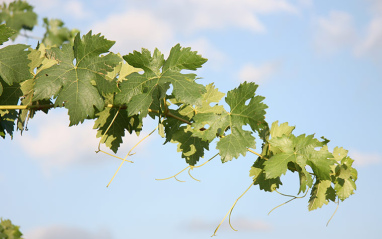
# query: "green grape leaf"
{"points": [[259, 178], [306, 179], [18, 15], [345, 174], [9, 231], [140, 91], [331, 194], [38, 62], [11, 93], [5, 33], [7, 122], [344, 188], [172, 125], [10, 96], [283, 129], [126, 70], [111, 132], [339, 153], [192, 147], [300, 150], [319, 194], [183, 59], [321, 163], [79, 85], [161, 130], [213, 95], [236, 143], [278, 164], [56, 34], [14, 64]]}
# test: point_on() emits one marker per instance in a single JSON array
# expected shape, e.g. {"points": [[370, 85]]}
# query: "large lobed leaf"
{"points": [[78, 80], [217, 122], [14, 64], [140, 91]]}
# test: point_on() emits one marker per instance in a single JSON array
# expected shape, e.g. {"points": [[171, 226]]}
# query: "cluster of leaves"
{"points": [[9, 231], [18, 15], [332, 176], [92, 83]]}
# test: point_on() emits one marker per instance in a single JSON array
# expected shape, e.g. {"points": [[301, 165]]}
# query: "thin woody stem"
{"points": [[39, 107]]}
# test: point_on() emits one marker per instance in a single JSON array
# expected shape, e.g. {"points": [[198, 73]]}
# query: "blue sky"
{"points": [[316, 62]]}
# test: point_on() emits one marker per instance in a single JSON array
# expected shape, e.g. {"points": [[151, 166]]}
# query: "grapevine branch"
{"points": [[49, 106], [185, 91], [167, 113]]}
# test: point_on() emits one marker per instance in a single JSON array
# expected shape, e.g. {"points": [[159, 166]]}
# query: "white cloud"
{"points": [[372, 43], [334, 32], [306, 3], [376, 6], [6, 1], [150, 24], [76, 9], [55, 146], [239, 224], [135, 29], [45, 5], [204, 47], [195, 15], [64, 232], [365, 159], [258, 74]]}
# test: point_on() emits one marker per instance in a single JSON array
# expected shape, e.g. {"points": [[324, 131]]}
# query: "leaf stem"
{"points": [[24, 107], [115, 156], [286, 195], [190, 167], [250, 150], [338, 204]]}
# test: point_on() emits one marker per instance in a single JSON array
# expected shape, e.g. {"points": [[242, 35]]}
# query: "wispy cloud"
{"points": [[135, 29], [55, 146], [76, 9], [371, 44], [150, 24], [365, 158], [215, 56], [334, 31], [337, 31], [306, 3], [65, 232], [72, 8], [258, 74]]}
